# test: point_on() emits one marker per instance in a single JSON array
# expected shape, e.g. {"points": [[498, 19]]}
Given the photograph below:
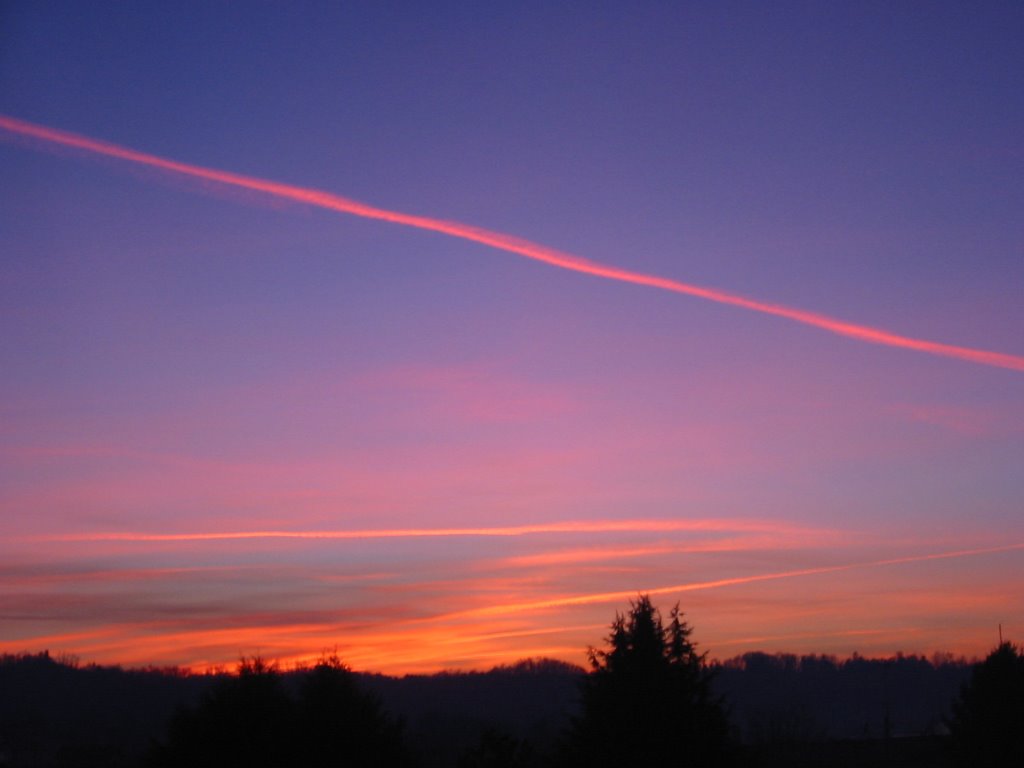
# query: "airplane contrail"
{"points": [[694, 586], [508, 243], [571, 526]]}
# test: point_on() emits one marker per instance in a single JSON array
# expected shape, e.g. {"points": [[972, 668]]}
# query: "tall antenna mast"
{"points": [[1000, 634]]}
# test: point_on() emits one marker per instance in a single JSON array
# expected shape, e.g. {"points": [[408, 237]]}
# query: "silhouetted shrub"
{"points": [[498, 750]]}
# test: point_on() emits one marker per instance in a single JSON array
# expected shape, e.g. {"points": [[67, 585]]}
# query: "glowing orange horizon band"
{"points": [[510, 244], [572, 526]]}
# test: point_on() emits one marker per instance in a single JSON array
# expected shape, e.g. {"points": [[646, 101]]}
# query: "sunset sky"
{"points": [[435, 333]]}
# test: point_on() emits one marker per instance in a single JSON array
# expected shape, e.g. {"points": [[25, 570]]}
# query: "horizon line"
{"points": [[288, 664]]}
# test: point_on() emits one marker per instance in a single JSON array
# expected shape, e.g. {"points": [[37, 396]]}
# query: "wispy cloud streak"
{"points": [[606, 554], [510, 244]]}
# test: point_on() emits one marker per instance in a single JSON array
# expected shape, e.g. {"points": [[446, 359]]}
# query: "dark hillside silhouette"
{"points": [[449, 714], [788, 710], [785, 698], [648, 699], [54, 711]]}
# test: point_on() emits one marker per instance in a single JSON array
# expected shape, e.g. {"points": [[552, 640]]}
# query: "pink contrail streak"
{"points": [[619, 595], [572, 526], [510, 244]]}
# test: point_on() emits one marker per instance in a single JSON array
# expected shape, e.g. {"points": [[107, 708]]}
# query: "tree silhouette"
{"points": [[245, 719], [647, 700], [987, 726], [338, 724], [250, 719]]}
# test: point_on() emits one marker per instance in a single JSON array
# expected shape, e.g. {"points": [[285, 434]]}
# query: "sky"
{"points": [[433, 334]]}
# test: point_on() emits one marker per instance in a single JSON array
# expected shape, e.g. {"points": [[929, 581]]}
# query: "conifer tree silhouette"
{"points": [[244, 719], [340, 725], [987, 727], [647, 700]]}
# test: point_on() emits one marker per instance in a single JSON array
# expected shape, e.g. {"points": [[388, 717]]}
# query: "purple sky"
{"points": [[181, 357]]}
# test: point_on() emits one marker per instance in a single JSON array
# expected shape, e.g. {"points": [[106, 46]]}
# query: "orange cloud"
{"points": [[509, 244]]}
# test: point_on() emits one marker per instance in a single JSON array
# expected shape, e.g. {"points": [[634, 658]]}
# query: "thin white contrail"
{"points": [[510, 244]]}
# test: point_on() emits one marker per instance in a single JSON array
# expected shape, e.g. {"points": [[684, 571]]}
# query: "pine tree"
{"points": [[987, 727], [648, 699]]}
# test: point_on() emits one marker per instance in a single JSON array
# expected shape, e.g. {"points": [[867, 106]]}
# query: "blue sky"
{"points": [[190, 358]]}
